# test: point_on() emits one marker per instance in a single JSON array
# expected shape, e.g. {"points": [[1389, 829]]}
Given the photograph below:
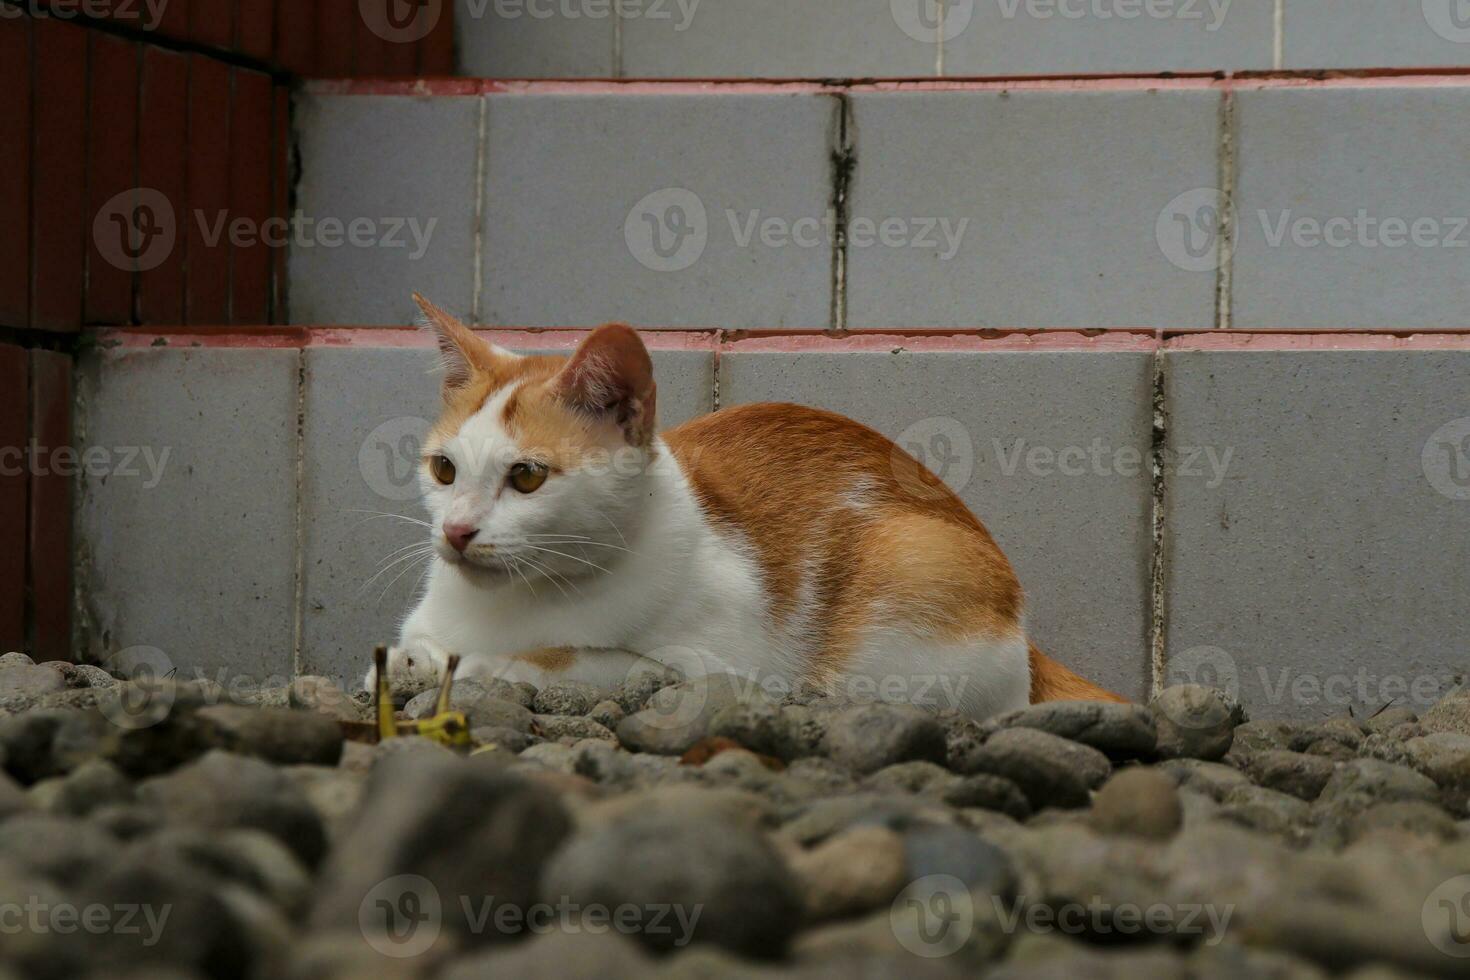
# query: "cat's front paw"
{"points": [[412, 668]]}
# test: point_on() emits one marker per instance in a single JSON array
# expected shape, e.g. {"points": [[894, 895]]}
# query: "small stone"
{"points": [[911, 777], [1213, 779], [481, 707], [1267, 810], [1444, 757], [1195, 722], [550, 755], [1140, 802], [572, 728], [1261, 736], [607, 714], [867, 738], [1365, 782], [679, 715], [1051, 771], [759, 726], [223, 790], [467, 827], [1420, 819], [1451, 714], [64, 849], [510, 739], [1379, 746], [280, 735], [982, 867], [990, 793], [1343, 731], [1390, 718], [1296, 773], [566, 698], [93, 784], [15, 659], [1122, 731], [321, 694], [13, 799], [859, 869], [22, 685], [334, 793], [751, 902], [604, 763], [556, 954]]}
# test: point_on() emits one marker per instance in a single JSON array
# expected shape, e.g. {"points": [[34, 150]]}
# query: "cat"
{"points": [[785, 544]]}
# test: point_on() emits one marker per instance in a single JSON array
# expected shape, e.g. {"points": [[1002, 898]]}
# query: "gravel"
{"points": [[705, 829]]}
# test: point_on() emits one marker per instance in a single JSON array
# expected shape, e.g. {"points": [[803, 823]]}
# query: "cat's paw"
{"points": [[412, 667]]}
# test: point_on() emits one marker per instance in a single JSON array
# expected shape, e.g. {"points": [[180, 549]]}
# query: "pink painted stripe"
{"points": [[1384, 78], [1051, 340], [1338, 341], [404, 337]]}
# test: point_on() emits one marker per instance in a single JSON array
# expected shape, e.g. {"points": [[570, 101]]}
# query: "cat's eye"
{"points": [[527, 477], [441, 469]]}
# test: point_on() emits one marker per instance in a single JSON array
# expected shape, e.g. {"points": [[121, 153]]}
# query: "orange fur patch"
{"points": [[841, 518], [1050, 681], [550, 659]]}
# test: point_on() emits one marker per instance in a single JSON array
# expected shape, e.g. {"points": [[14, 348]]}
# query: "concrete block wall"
{"points": [[1284, 514], [1260, 203], [953, 39]]}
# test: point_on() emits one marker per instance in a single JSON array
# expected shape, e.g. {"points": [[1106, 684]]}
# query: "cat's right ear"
{"points": [[463, 354]]}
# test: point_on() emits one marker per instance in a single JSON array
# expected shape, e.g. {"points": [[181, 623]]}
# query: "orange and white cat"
{"points": [[780, 543]]}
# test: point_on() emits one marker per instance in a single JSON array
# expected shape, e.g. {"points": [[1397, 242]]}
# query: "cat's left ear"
{"points": [[611, 376]]}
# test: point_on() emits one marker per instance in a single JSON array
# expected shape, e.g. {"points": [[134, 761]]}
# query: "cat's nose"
{"points": [[459, 536]]}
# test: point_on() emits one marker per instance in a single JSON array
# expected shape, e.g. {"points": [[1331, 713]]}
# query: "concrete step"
{"points": [[1313, 494], [947, 38], [1261, 203]]}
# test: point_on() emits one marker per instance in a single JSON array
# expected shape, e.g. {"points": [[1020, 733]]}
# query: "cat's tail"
{"points": [[1050, 681]]}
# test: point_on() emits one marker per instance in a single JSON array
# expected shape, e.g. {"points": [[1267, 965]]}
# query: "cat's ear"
{"points": [[463, 354], [611, 376]]}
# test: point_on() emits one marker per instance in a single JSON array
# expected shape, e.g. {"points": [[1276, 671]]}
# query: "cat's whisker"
{"points": [[548, 574], [399, 551], [584, 542], [562, 554], [616, 530], [424, 550], [406, 569], [517, 570], [374, 515]]}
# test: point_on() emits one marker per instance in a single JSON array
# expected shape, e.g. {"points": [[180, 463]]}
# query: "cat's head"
{"points": [[536, 467]]}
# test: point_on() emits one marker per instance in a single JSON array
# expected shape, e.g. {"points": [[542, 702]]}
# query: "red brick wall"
{"points": [[148, 170]]}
